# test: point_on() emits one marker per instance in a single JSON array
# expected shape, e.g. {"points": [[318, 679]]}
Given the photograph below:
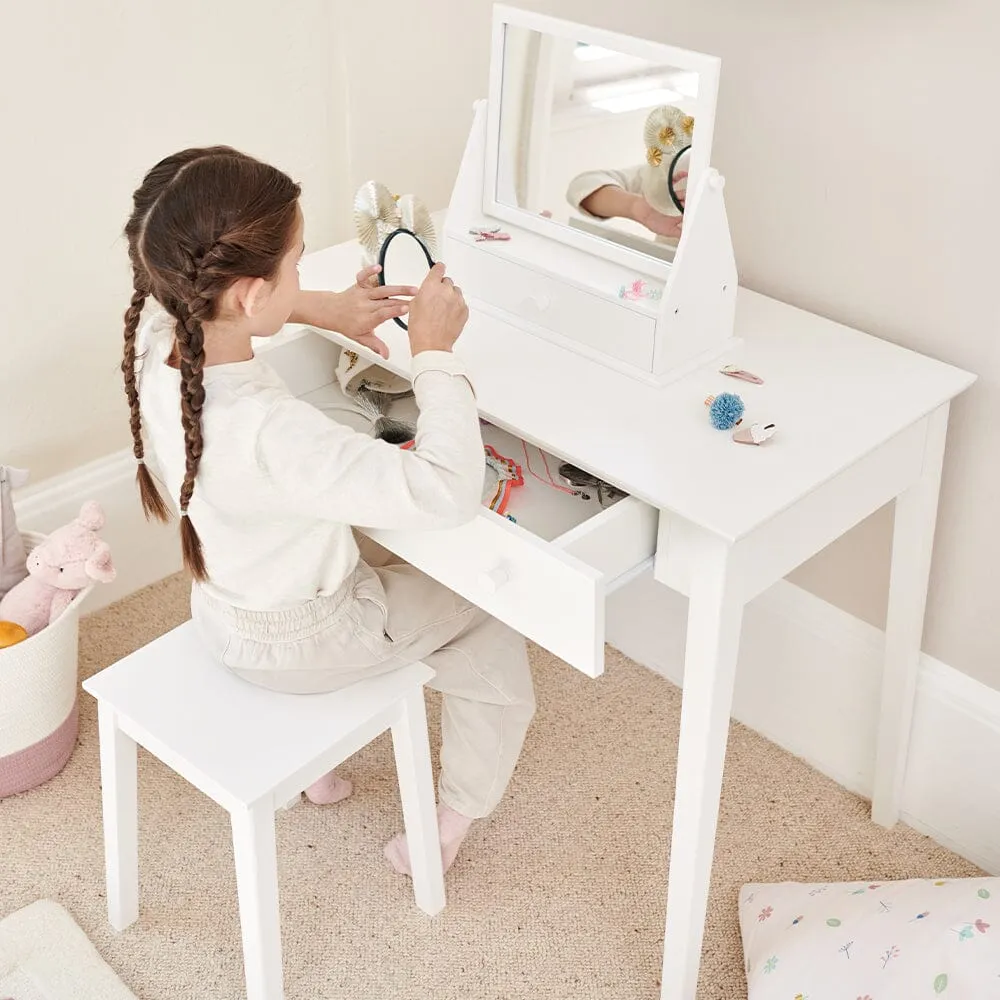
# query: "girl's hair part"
{"points": [[201, 220]]}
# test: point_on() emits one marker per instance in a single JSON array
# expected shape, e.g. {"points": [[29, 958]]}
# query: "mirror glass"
{"points": [[595, 139], [405, 260]]}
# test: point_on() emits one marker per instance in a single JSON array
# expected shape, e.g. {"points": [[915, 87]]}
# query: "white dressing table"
{"points": [[617, 387], [862, 422]]}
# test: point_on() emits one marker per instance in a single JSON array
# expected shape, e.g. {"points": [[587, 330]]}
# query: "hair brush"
{"points": [[375, 406]]}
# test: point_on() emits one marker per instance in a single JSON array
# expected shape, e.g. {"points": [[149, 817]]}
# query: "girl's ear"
{"points": [[247, 296]]}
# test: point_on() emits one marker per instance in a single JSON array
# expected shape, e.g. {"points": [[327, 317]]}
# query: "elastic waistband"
{"points": [[288, 624]]}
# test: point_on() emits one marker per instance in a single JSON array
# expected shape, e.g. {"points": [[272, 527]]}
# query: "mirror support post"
{"points": [[467, 194], [698, 309]]}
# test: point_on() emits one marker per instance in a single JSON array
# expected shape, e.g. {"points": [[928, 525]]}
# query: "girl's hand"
{"points": [[657, 222], [680, 189], [438, 315], [357, 311], [367, 305]]}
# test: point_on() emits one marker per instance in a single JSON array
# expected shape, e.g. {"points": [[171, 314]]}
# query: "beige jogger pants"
{"points": [[384, 617]]}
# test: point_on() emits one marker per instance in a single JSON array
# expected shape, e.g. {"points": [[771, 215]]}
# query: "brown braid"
{"points": [[154, 184], [153, 505], [202, 220], [191, 347]]}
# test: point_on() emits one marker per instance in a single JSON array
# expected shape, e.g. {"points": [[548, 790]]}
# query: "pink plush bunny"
{"points": [[67, 561]]}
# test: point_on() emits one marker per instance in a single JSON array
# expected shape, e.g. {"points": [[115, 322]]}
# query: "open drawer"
{"points": [[547, 575]]}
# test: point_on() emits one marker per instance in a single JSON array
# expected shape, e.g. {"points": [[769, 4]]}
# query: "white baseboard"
{"points": [[808, 677]]}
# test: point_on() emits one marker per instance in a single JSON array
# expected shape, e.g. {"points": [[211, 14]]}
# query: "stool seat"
{"points": [[251, 750], [233, 740]]}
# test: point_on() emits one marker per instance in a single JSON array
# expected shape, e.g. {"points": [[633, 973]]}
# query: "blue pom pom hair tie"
{"points": [[725, 410]]}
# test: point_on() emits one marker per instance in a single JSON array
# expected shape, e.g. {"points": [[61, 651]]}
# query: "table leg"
{"points": [[912, 545], [119, 793], [416, 790], [715, 618], [257, 884]]}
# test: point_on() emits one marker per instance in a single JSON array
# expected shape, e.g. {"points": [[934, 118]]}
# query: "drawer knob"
{"points": [[493, 579], [541, 301]]}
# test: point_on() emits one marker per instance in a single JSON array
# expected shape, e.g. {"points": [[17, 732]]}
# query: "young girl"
{"points": [[641, 192], [268, 488]]}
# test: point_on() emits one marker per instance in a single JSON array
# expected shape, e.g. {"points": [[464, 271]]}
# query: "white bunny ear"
{"points": [[376, 214], [415, 216], [99, 566]]}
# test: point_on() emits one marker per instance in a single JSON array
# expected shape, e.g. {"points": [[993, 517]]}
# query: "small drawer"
{"points": [[598, 322], [548, 574], [552, 592]]}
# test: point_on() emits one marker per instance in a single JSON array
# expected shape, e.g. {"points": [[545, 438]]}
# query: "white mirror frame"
{"points": [[708, 69]]}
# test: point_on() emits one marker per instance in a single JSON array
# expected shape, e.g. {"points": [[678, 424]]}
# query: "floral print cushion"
{"points": [[872, 940]]}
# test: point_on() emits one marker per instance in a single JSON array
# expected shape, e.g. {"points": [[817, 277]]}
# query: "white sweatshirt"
{"points": [[650, 182], [280, 484]]}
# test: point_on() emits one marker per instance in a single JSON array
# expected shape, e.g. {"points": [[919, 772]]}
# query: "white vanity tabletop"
{"points": [[860, 422], [835, 393]]}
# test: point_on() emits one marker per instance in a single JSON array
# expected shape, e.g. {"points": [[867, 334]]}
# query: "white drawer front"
{"points": [[538, 588], [546, 576], [589, 319]]}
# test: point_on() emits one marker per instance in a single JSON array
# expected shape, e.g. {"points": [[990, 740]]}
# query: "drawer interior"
{"points": [[613, 534]]}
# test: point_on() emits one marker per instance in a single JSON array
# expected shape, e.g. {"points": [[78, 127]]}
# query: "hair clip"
{"points": [[489, 234], [725, 410], [508, 474], [578, 478], [734, 371], [754, 434], [638, 290]]}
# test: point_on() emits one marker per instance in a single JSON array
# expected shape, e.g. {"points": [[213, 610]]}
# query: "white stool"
{"points": [[252, 751]]}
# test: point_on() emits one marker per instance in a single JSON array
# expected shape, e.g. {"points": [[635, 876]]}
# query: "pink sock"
{"points": [[452, 827], [329, 789]]}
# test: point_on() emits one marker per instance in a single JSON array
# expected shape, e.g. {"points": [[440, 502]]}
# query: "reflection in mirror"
{"points": [[595, 139], [405, 260]]}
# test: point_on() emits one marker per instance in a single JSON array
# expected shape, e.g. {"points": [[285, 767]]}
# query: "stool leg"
{"points": [[257, 885], [416, 790], [119, 794]]}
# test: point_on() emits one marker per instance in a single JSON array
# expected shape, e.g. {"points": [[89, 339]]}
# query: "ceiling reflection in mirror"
{"points": [[595, 139]]}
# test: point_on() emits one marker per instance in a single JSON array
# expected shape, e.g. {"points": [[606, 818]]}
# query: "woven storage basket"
{"points": [[38, 699]]}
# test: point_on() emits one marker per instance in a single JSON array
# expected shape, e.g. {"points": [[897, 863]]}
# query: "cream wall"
{"points": [[862, 158], [857, 138], [92, 95]]}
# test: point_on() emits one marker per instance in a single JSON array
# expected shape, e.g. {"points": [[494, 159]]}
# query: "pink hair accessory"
{"points": [[755, 434], [494, 234], [638, 290], [734, 371]]}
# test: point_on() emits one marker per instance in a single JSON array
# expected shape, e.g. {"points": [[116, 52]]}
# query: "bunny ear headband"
{"points": [[667, 134], [378, 213]]}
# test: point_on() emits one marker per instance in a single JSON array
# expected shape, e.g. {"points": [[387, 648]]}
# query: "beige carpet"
{"points": [[560, 894]]}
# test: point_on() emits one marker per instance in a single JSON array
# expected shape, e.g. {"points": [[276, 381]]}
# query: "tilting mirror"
{"points": [[601, 139]]}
